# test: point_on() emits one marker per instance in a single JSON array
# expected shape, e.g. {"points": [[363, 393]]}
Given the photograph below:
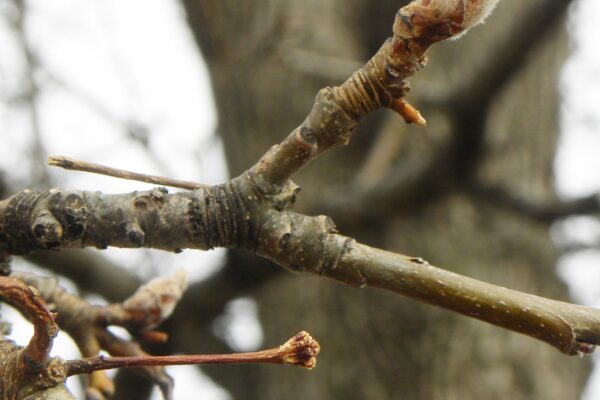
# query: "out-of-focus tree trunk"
{"points": [[267, 60]]}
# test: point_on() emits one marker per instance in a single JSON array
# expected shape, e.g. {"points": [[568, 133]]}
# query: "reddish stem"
{"points": [[300, 350], [29, 302]]}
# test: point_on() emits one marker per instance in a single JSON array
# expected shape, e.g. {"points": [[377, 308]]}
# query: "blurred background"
{"points": [[501, 186]]}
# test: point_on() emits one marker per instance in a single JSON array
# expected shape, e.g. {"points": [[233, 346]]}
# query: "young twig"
{"points": [[300, 350], [249, 211], [78, 317], [29, 302], [29, 369], [76, 165], [88, 324]]}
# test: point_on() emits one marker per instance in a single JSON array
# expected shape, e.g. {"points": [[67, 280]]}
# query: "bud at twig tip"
{"points": [[441, 19], [301, 350]]}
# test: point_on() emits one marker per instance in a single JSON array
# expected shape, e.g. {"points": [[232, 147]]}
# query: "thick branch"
{"points": [[221, 215]]}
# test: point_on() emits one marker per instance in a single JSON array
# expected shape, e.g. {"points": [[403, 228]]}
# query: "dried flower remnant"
{"points": [[158, 297], [301, 350], [87, 325]]}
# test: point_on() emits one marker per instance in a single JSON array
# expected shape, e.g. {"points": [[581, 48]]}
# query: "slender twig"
{"points": [[76, 165], [250, 210], [87, 324], [300, 350]]}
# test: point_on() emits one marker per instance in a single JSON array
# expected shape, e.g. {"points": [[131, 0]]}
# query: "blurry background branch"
{"points": [[30, 91]]}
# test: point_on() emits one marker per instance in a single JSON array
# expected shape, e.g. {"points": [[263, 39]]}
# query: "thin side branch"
{"points": [[88, 324], [76, 165], [300, 350]]}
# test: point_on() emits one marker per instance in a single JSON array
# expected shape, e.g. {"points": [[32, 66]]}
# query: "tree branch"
{"points": [[429, 179], [76, 165], [87, 324], [28, 370], [29, 302], [249, 212]]}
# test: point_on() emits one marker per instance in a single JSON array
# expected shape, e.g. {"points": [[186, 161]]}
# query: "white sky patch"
{"points": [[581, 230], [577, 167], [579, 270], [239, 325], [578, 159]]}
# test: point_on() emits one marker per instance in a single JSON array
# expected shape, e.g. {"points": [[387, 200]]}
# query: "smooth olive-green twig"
{"points": [[570, 328], [76, 165]]}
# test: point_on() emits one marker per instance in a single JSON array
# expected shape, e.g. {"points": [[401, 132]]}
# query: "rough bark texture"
{"points": [[266, 61]]}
